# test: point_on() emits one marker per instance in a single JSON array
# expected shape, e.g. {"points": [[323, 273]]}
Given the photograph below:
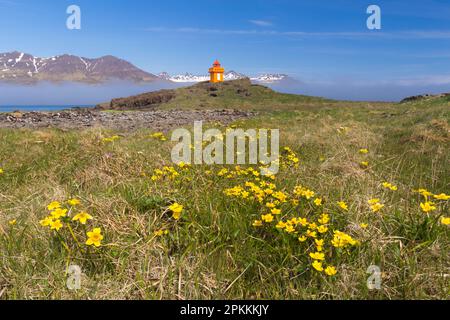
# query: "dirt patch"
{"points": [[154, 119]]}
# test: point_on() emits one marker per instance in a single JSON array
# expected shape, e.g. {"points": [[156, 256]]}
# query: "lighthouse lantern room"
{"points": [[216, 72]]}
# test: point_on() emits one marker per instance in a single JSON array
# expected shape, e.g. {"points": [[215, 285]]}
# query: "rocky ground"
{"points": [[154, 119]]}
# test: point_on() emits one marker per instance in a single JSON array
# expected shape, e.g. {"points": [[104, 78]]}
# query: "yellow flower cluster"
{"points": [[304, 192], [289, 158], [364, 164], [158, 136], [259, 191], [375, 205], [160, 233], [429, 206], [110, 139], [389, 186], [238, 171], [314, 234], [342, 240], [169, 172], [63, 214]]}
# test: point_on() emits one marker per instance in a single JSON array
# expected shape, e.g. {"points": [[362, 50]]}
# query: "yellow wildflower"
{"points": [[161, 233], [318, 266], [318, 202], [343, 205], [176, 210], [268, 218], [377, 207], [445, 221], [270, 205], [82, 217], [257, 223], [324, 219], [364, 164], [322, 229], [312, 226], [58, 213], [311, 234], [56, 225], [364, 225], [281, 225], [308, 194], [276, 211], [94, 237], [427, 207], [330, 271], [341, 240], [279, 196], [317, 255], [289, 228], [13, 222], [441, 196], [46, 222], [73, 202], [390, 186], [303, 222], [302, 239], [425, 193], [363, 151], [54, 205]]}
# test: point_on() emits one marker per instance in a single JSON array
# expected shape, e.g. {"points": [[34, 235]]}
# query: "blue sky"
{"points": [[319, 42]]}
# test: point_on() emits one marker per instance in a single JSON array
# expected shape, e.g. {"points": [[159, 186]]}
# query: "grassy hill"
{"points": [[238, 94], [127, 182]]}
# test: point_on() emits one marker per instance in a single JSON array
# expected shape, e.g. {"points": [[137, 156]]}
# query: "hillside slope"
{"points": [[235, 94]]}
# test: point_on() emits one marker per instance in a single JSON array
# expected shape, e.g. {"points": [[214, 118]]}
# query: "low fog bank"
{"points": [[79, 94], [360, 92], [73, 94]]}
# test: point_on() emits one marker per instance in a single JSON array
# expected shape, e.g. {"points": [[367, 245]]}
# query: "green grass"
{"points": [[213, 252]]}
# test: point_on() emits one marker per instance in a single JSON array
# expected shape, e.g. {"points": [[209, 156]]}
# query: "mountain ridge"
{"points": [[24, 68], [20, 67]]}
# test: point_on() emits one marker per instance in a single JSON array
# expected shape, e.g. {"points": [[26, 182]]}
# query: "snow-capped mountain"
{"points": [[233, 75], [230, 75], [25, 68], [188, 77], [269, 78]]}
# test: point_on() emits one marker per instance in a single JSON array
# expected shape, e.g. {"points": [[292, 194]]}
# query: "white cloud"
{"points": [[408, 35], [261, 23]]}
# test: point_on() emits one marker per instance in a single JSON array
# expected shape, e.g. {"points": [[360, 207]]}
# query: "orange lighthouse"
{"points": [[216, 72]]}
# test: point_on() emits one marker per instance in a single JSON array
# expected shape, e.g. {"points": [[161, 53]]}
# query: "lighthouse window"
{"points": [[218, 76]]}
